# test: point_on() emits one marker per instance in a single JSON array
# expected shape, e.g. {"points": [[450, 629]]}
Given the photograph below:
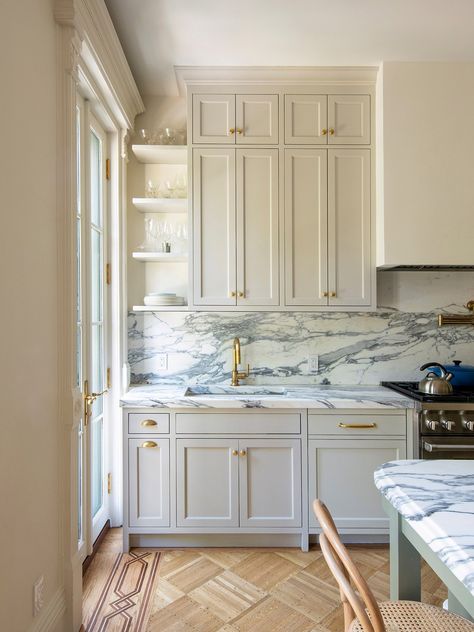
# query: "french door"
{"points": [[92, 328]]}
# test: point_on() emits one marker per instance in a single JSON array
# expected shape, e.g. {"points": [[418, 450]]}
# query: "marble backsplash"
{"points": [[353, 347]]}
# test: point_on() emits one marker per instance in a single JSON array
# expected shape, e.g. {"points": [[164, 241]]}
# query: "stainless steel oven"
{"points": [[447, 447]]}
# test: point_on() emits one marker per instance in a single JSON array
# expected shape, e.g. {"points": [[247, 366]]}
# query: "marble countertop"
{"points": [[318, 396], [437, 499]]}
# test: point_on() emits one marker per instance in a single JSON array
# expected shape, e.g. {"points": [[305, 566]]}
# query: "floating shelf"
{"points": [[165, 257], [161, 154], [161, 205], [160, 308]]}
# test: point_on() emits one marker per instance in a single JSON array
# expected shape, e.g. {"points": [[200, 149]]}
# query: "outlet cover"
{"points": [[38, 595], [162, 361], [313, 363]]}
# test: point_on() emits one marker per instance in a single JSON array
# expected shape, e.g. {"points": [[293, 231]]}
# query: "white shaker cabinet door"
{"points": [[257, 227], [270, 482], [349, 250], [349, 119], [341, 474], [149, 482], [306, 227], [207, 483], [256, 119], [306, 119], [214, 118], [214, 267]]}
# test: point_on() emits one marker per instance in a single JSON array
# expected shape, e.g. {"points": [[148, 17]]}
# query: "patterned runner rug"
{"points": [[125, 600]]}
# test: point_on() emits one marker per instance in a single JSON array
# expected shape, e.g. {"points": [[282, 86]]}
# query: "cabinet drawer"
{"points": [[237, 423], [148, 423], [356, 425]]}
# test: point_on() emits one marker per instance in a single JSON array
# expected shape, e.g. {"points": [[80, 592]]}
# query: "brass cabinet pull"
{"points": [[148, 422], [325, 293], [358, 426], [242, 453], [232, 294], [333, 294], [324, 131], [331, 131], [149, 444], [232, 131], [240, 130], [241, 294], [235, 452]]}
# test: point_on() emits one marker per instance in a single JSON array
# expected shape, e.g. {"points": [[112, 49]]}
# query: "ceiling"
{"points": [[159, 34]]}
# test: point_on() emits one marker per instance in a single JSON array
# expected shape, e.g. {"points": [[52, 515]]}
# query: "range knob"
{"points": [[448, 424], [432, 424], [469, 425]]}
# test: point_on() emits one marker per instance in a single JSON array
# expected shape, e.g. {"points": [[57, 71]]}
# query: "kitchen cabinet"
{"points": [[210, 473], [327, 227], [235, 226], [149, 482], [314, 119], [235, 119]]}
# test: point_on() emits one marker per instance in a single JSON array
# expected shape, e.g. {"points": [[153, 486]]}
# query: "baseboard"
{"points": [[50, 617], [183, 540]]}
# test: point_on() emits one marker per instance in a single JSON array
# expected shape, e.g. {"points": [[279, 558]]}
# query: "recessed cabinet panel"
{"points": [[306, 119], [306, 227], [257, 227], [214, 226], [349, 117], [214, 118], [257, 119], [341, 474], [270, 482], [207, 482], [149, 481], [349, 226]]}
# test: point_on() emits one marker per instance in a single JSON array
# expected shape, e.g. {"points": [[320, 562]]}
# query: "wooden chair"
{"points": [[362, 613]]}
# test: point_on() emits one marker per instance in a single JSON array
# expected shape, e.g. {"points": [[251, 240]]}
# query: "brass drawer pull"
{"points": [[358, 426], [146, 423], [149, 444]]}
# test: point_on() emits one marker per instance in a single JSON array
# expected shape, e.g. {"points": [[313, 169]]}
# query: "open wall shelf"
{"points": [[162, 257], [161, 205], [161, 154]]}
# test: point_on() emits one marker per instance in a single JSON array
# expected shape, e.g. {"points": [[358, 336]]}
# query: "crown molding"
{"points": [[265, 75], [93, 25]]}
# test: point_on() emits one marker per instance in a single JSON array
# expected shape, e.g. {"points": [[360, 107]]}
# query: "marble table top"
{"points": [[436, 497], [318, 396]]}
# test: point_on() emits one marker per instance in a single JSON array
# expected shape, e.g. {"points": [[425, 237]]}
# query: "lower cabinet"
{"points": [[341, 474], [239, 482], [149, 482]]}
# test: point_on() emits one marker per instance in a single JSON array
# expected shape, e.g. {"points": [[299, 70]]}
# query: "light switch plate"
{"points": [[313, 363], [162, 361]]}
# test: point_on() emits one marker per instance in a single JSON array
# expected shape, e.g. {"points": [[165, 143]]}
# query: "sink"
{"points": [[214, 390]]}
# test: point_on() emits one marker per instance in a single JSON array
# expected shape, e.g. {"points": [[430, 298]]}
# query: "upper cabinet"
{"points": [[242, 119], [314, 119]]}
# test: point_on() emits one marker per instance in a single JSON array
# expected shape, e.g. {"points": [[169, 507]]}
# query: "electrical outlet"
{"points": [[162, 361], [313, 363], [38, 595]]}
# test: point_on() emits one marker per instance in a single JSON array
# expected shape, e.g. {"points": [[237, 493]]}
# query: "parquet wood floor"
{"points": [[250, 590]]}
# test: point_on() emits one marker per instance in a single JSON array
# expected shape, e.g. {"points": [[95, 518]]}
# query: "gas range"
{"points": [[445, 422]]}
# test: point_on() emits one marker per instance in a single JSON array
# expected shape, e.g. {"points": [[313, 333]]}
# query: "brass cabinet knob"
{"points": [[232, 131], [333, 294], [240, 130], [325, 293], [149, 444], [331, 131], [324, 131], [232, 294], [148, 422], [234, 453], [241, 294], [242, 453]]}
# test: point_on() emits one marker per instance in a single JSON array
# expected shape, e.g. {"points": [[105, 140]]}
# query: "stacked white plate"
{"points": [[164, 299]]}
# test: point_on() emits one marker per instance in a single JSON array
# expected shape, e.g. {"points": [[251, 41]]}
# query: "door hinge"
{"points": [[109, 378], [109, 483], [107, 168], [108, 274]]}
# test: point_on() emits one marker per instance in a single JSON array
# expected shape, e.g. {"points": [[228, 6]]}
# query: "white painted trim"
{"points": [[265, 75], [50, 618]]}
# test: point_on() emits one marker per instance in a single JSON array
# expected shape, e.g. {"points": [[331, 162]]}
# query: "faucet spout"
{"points": [[236, 374]]}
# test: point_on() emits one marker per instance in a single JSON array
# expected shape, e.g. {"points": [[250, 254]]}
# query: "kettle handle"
{"points": [[444, 373]]}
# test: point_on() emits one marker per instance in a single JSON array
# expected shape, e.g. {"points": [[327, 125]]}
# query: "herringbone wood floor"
{"points": [[250, 590]]}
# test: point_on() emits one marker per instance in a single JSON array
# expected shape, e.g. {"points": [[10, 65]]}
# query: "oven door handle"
{"points": [[435, 447]]}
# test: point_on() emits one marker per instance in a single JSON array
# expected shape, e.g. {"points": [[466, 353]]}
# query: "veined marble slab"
{"points": [[437, 499], [151, 395]]}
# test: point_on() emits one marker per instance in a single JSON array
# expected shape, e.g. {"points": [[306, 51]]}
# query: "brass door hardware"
{"points": [[240, 130], [241, 294], [325, 293], [89, 399], [458, 319], [107, 168], [149, 444], [235, 452], [331, 131], [109, 483], [232, 131], [232, 294], [324, 131], [358, 426], [108, 274], [147, 423], [332, 294], [242, 453], [109, 378]]}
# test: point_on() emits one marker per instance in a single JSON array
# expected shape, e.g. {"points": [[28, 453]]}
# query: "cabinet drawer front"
{"points": [[148, 423], [356, 425], [237, 423]]}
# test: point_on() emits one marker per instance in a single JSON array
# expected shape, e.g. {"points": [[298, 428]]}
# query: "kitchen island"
{"points": [[430, 504]]}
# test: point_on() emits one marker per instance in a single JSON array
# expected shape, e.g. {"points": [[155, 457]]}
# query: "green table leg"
{"points": [[405, 561], [456, 607]]}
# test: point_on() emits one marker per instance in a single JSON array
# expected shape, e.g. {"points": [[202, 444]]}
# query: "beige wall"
{"points": [[425, 163], [29, 445]]}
